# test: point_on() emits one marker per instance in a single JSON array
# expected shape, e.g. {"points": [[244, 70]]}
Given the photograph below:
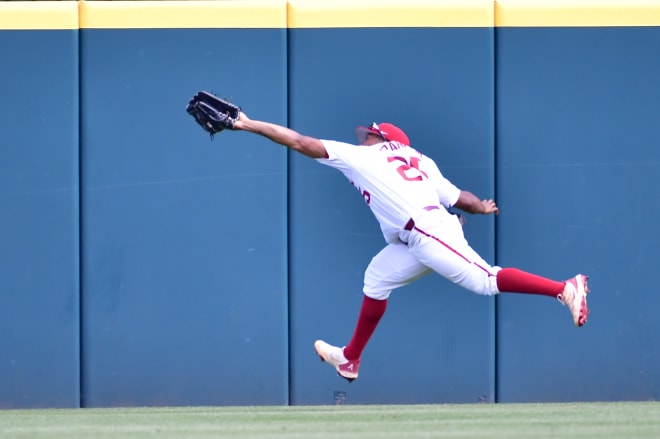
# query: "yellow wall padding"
{"points": [[39, 15], [389, 13], [183, 14], [326, 13], [576, 13]]}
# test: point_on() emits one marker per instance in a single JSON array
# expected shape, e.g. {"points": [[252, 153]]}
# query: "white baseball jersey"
{"points": [[395, 180]]}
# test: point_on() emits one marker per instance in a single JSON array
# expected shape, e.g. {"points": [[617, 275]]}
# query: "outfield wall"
{"points": [[39, 205], [143, 264], [577, 135]]}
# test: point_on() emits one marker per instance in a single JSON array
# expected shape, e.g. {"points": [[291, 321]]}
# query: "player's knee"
{"points": [[478, 280], [485, 286]]}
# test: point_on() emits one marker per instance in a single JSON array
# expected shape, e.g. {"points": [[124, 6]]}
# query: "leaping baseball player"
{"points": [[411, 200]]}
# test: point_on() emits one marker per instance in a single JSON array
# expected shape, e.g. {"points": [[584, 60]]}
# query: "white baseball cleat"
{"points": [[334, 356], [574, 297]]}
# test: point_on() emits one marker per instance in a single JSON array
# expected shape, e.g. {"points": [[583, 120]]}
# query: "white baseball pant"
{"points": [[435, 242]]}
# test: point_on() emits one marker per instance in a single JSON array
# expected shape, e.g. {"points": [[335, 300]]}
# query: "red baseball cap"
{"points": [[385, 130]]}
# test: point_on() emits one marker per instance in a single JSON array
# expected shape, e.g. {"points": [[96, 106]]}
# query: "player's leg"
{"points": [[445, 250], [391, 268]]}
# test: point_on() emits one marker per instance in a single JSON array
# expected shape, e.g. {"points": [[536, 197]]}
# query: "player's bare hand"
{"points": [[490, 207]]}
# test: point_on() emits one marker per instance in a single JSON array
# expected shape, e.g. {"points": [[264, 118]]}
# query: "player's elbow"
{"points": [[309, 146]]}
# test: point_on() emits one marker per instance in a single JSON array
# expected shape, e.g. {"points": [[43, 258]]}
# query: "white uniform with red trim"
{"points": [[409, 197]]}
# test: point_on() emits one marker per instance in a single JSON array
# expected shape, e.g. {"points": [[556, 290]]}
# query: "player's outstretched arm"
{"points": [[468, 202], [306, 145]]}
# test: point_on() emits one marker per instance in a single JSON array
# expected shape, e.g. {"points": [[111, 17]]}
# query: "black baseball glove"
{"points": [[213, 113]]}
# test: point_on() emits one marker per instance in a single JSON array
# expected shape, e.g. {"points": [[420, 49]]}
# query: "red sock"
{"points": [[512, 280], [370, 313]]}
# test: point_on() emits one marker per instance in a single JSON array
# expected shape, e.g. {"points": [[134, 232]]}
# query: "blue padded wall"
{"points": [[143, 264], [577, 181], [184, 260], [39, 270], [445, 104]]}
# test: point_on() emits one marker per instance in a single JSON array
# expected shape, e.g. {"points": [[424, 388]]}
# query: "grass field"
{"points": [[580, 420]]}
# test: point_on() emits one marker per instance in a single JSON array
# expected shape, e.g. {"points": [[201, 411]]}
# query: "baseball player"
{"points": [[411, 199]]}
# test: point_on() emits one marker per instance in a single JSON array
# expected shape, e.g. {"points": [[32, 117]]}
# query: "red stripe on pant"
{"points": [[447, 246]]}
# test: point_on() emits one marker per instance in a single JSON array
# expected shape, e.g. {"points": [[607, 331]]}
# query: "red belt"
{"points": [[411, 224]]}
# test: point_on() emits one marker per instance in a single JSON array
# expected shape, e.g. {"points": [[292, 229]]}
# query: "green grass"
{"points": [[579, 420]]}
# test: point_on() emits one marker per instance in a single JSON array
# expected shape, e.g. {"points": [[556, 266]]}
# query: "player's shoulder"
{"points": [[336, 144], [338, 150]]}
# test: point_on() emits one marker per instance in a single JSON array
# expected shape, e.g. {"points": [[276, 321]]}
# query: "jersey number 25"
{"points": [[409, 170]]}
